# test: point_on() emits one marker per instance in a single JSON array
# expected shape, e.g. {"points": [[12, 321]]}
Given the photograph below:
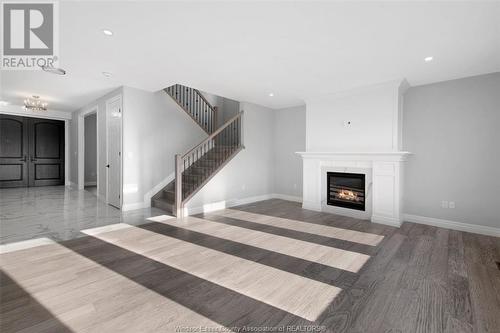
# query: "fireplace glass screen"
{"points": [[346, 190]]}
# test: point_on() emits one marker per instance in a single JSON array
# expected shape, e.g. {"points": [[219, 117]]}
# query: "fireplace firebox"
{"points": [[346, 190]]}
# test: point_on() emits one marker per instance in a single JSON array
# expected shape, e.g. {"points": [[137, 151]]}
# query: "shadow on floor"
{"points": [[20, 311], [308, 269], [217, 303]]}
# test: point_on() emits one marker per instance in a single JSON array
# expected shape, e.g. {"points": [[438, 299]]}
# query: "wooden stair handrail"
{"points": [[211, 136]]}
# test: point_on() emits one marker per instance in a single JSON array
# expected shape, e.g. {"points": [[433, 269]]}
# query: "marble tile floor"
{"points": [[58, 213]]}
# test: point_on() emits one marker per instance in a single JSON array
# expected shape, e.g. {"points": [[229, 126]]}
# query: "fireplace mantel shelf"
{"points": [[357, 155]]}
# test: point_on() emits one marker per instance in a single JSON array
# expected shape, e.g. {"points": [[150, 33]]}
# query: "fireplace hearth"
{"points": [[346, 190]]}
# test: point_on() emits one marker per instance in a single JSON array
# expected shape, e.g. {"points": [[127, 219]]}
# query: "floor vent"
{"points": [[498, 265]]}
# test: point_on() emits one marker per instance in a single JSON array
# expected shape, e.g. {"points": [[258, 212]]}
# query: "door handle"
{"points": [[24, 159], [107, 166]]}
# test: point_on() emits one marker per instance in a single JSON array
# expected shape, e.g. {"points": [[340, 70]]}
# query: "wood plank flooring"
{"points": [[268, 266]]}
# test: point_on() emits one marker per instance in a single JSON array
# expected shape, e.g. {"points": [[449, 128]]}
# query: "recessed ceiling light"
{"points": [[271, 94], [428, 59], [107, 32], [107, 74], [54, 70]]}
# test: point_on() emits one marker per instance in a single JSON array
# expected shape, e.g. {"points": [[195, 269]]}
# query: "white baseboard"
{"points": [[214, 206], [158, 187], [211, 207], [474, 228], [286, 197]]}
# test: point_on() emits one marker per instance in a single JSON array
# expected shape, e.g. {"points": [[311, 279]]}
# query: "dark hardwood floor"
{"points": [[268, 265]]}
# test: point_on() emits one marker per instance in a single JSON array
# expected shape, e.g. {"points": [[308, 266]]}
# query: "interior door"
{"points": [[114, 154], [13, 151], [46, 152]]}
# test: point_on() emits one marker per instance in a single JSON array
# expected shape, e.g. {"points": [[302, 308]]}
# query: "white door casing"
{"points": [[114, 151]]}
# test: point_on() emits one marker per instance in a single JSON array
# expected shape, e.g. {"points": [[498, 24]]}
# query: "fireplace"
{"points": [[346, 190]]}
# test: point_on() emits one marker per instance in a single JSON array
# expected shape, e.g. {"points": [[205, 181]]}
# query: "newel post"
{"points": [[178, 209]]}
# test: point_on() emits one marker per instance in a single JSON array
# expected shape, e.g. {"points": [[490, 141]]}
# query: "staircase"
{"points": [[196, 167]]}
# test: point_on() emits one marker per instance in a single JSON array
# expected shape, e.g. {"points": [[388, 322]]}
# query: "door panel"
{"points": [[13, 151], [46, 152], [114, 146]]}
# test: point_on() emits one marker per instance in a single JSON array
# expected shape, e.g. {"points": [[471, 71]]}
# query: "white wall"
{"points": [[250, 173], [155, 128], [289, 136], [372, 111], [90, 174], [453, 129]]}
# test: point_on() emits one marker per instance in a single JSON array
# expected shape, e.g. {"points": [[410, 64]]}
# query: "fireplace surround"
{"points": [[383, 183]]}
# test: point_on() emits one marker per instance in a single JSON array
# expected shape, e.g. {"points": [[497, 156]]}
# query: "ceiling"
{"points": [[247, 50]]}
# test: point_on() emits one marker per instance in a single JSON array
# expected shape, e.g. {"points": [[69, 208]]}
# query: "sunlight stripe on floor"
{"points": [[27, 244], [88, 297], [326, 255], [306, 227], [295, 294]]}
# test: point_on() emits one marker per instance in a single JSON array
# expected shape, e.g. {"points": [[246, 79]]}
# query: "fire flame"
{"points": [[347, 195]]}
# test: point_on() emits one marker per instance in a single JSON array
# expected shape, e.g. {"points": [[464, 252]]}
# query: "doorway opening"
{"points": [[90, 153]]}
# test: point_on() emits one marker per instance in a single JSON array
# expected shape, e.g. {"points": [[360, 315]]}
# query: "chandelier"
{"points": [[35, 104]]}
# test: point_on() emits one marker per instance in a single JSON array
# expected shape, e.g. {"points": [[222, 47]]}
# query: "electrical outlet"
{"points": [[444, 204], [451, 204]]}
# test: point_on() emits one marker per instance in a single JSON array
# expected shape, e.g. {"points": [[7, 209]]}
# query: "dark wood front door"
{"points": [[46, 152], [13, 151], [31, 151]]}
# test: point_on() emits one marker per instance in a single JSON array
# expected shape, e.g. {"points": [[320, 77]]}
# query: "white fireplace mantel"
{"points": [[356, 155], [384, 191]]}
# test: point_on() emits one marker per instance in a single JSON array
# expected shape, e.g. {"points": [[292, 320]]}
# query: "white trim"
{"points": [[310, 205], [447, 224], [66, 153], [119, 98], [389, 156], [210, 207], [94, 183], [17, 110], [214, 206], [157, 188], [81, 145], [286, 197], [390, 221]]}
